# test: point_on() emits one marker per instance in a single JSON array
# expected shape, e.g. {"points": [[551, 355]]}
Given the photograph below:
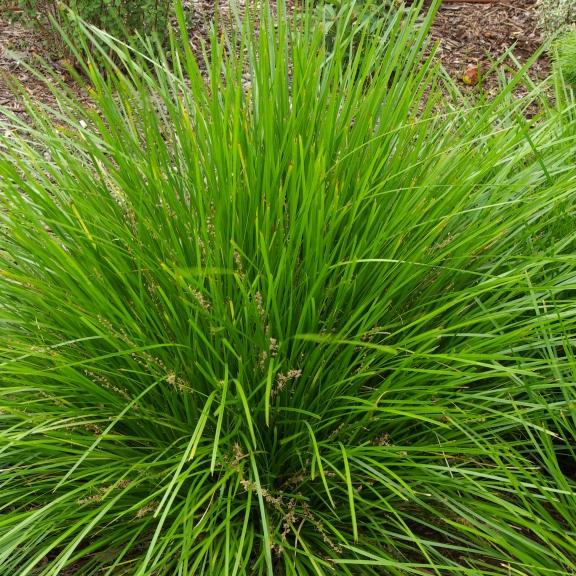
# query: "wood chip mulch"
{"points": [[469, 32], [19, 47], [479, 33]]}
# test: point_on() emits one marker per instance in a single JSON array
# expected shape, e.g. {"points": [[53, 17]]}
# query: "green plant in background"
{"points": [[305, 326], [354, 16], [121, 18], [556, 16]]}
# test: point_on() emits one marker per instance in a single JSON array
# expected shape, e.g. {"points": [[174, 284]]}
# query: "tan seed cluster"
{"points": [[283, 379], [103, 491], [200, 299], [147, 509], [259, 305]]}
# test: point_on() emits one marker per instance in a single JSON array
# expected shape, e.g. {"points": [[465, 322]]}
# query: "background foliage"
{"points": [[120, 18], [556, 16]]}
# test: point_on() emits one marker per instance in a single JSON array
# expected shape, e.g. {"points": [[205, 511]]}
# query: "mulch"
{"points": [[467, 33], [21, 46], [478, 34]]}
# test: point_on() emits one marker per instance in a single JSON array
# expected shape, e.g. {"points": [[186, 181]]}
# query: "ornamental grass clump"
{"points": [[565, 57], [291, 316]]}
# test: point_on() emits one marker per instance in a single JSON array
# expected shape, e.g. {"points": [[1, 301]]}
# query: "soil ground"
{"points": [[481, 33], [468, 33]]}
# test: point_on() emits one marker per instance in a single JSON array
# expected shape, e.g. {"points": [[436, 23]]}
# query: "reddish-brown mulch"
{"points": [[471, 33]]}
